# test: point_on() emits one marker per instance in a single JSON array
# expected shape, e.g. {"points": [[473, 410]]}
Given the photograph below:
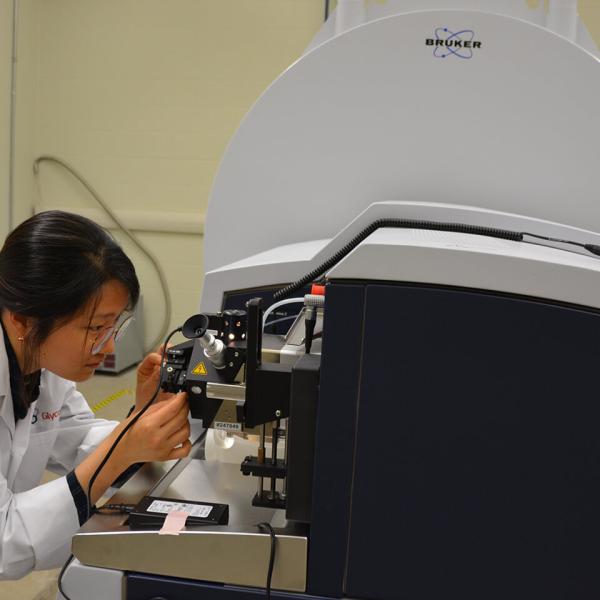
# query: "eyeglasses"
{"points": [[118, 330]]}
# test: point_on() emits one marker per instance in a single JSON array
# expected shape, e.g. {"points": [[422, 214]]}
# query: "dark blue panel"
{"points": [[153, 587], [334, 447], [478, 451]]}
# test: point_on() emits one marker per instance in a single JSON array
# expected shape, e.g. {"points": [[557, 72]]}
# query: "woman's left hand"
{"points": [[147, 380]]}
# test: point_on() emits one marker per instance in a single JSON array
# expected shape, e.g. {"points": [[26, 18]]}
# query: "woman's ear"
{"points": [[20, 324]]}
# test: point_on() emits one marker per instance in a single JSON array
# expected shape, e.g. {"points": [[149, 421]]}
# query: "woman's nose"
{"points": [[109, 346]]}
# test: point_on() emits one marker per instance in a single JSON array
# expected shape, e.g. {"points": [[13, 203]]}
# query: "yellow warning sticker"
{"points": [[199, 369]]}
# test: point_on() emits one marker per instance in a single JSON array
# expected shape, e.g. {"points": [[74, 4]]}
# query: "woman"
{"points": [[66, 287]]}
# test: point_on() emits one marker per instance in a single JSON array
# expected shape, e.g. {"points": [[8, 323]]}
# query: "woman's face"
{"points": [[67, 351]]}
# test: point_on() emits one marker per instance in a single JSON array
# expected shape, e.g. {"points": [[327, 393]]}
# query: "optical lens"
{"points": [[122, 328], [102, 340]]}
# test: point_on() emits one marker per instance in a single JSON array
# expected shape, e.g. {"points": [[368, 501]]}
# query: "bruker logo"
{"points": [[453, 43]]}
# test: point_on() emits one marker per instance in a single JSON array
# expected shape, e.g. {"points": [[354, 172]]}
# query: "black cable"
{"points": [[326, 10], [316, 336], [269, 529], [514, 236], [60, 576], [129, 425], [592, 248], [90, 508], [112, 509], [310, 320]]}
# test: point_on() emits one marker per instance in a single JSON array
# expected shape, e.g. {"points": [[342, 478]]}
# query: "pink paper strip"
{"points": [[174, 522]]}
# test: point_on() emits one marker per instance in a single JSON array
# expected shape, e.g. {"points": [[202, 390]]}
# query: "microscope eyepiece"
{"points": [[195, 327]]}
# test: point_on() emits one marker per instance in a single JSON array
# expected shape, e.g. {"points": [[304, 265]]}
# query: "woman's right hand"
{"points": [[161, 433]]}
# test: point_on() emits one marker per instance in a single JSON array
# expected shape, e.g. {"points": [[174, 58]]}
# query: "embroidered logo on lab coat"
{"points": [[50, 416]]}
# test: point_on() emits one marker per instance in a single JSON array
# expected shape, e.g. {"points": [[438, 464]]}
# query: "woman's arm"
{"points": [[36, 526], [79, 432], [160, 434]]}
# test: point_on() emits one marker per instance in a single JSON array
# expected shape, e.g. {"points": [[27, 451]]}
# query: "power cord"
{"points": [[149, 255], [91, 509], [310, 320], [123, 509], [262, 526], [130, 424], [267, 527], [514, 236], [60, 576]]}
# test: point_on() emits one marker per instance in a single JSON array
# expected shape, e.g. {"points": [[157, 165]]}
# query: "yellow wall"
{"points": [[6, 13], [142, 97], [26, 100], [589, 12]]}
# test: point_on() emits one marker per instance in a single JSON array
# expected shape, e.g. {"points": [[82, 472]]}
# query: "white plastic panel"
{"points": [[82, 582], [374, 115], [474, 261], [288, 263]]}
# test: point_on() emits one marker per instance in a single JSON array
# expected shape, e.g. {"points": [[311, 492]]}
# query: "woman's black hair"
{"points": [[52, 265]]}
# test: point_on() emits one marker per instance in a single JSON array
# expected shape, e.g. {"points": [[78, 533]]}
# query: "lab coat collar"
{"points": [[7, 413], [19, 432], [20, 444]]}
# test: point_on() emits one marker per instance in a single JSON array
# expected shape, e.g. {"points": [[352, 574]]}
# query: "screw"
{"points": [[278, 413], [196, 389], [169, 369], [236, 354], [231, 364]]}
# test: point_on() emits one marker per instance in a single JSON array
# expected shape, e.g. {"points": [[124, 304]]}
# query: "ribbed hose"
{"points": [[397, 223]]}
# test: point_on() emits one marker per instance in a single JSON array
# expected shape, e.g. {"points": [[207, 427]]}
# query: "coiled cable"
{"points": [[504, 234]]}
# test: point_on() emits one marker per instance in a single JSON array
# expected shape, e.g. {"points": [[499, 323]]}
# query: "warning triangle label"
{"points": [[199, 369]]}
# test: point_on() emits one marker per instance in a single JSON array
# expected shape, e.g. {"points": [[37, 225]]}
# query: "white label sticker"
{"points": [[227, 426], [194, 510]]}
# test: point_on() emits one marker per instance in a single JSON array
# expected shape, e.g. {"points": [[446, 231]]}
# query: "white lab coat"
{"points": [[37, 522]]}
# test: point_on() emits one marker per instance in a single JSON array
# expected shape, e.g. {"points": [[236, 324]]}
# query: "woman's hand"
{"points": [[147, 380], [161, 433]]}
